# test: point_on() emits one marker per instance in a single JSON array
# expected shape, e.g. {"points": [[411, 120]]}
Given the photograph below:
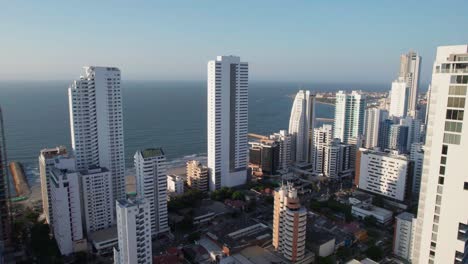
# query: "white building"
{"points": [[442, 225], [337, 159], [284, 140], [175, 184], [403, 240], [374, 117], [301, 127], [349, 115], [98, 202], [65, 201], [417, 157], [322, 138], [409, 71], [96, 121], [383, 216], [228, 84], [134, 232], [384, 174], [289, 224], [151, 180], [399, 98], [47, 160]]}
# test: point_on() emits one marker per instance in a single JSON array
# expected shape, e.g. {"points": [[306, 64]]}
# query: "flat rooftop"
{"points": [[104, 235], [151, 152]]}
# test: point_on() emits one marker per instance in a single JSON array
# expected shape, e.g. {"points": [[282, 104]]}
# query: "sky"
{"points": [[304, 41]]}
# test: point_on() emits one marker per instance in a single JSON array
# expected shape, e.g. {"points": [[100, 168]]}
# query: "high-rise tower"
{"points": [[96, 121], [349, 115], [301, 127], [409, 71], [228, 84], [5, 219], [374, 118], [441, 234]]}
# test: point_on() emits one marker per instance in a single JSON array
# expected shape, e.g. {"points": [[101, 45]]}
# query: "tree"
{"points": [[370, 220], [375, 253], [238, 195], [193, 237]]}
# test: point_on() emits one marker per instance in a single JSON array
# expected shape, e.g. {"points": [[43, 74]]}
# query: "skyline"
{"points": [[144, 48]]}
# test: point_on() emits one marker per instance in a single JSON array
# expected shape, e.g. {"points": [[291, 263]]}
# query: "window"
{"points": [[465, 186], [456, 102], [461, 79], [444, 149], [442, 170], [441, 180], [454, 114], [443, 160], [452, 139], [451, 126], [457, 90]]}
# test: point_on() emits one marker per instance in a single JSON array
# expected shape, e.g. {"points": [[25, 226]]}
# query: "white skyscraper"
{"points": [[409, 71], [337, 159], [96, 120], [301, 127], [399, 98], [374, 117], [47, 161], [403, 240], [322, 138], [134, 232], [441, 234], [349, 115], [151, 180], [96, 185], [417, 157], [284, 140], [65, 201], [228, 84]]}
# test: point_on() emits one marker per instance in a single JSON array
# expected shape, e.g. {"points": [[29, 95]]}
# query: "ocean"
{"points": [[167, 114]]}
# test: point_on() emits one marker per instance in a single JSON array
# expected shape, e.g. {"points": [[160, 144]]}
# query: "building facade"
{"points": [[289, 224], [349, 115], [337, 159], [409, 71], [323, 137], [417, 157], [5, 218], [134, 232], [399, 98], [374, 118], [398, 138], [151, 179], [175, 184], [46, 164], [96, 121], [442, 225], [383, 173], [228, 84], [284, 140], [403, 237], [197, 175], [98, 202], [301, 127], [65, 200]]}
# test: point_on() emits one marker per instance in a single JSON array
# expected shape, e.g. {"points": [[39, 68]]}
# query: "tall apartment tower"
{"points": [[398, 138], [197, 175], [284, 140], [403, 240], [349, 115], [5, 219], [374, 118], [441, 234], [399, 98], [409, 71], [96, 120], [47, 161], [301, 126], [65, 200], [289, 224], [338, 159], [417, 157], [322, 137], [98, 209], [134, 232], [151, 180], [228, 84]]}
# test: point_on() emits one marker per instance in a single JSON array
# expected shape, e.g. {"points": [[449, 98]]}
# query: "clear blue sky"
{"points": [[303, 41]]}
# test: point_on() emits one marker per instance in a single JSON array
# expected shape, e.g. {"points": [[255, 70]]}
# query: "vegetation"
{"points": [[262, 185], [227, 193], [333, 205], [193, 237], [326, 260], [370, 221], [375, 253], [189, 199]]}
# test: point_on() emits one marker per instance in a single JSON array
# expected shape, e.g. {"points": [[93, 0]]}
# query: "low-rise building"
{"points": [[175, 184], [383, 216], [197, 175], [104, 241]]}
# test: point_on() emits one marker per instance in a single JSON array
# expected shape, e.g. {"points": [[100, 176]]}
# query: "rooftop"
{"points": [[405, 216], [151, 152], [131, 202], [104, 235]]}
